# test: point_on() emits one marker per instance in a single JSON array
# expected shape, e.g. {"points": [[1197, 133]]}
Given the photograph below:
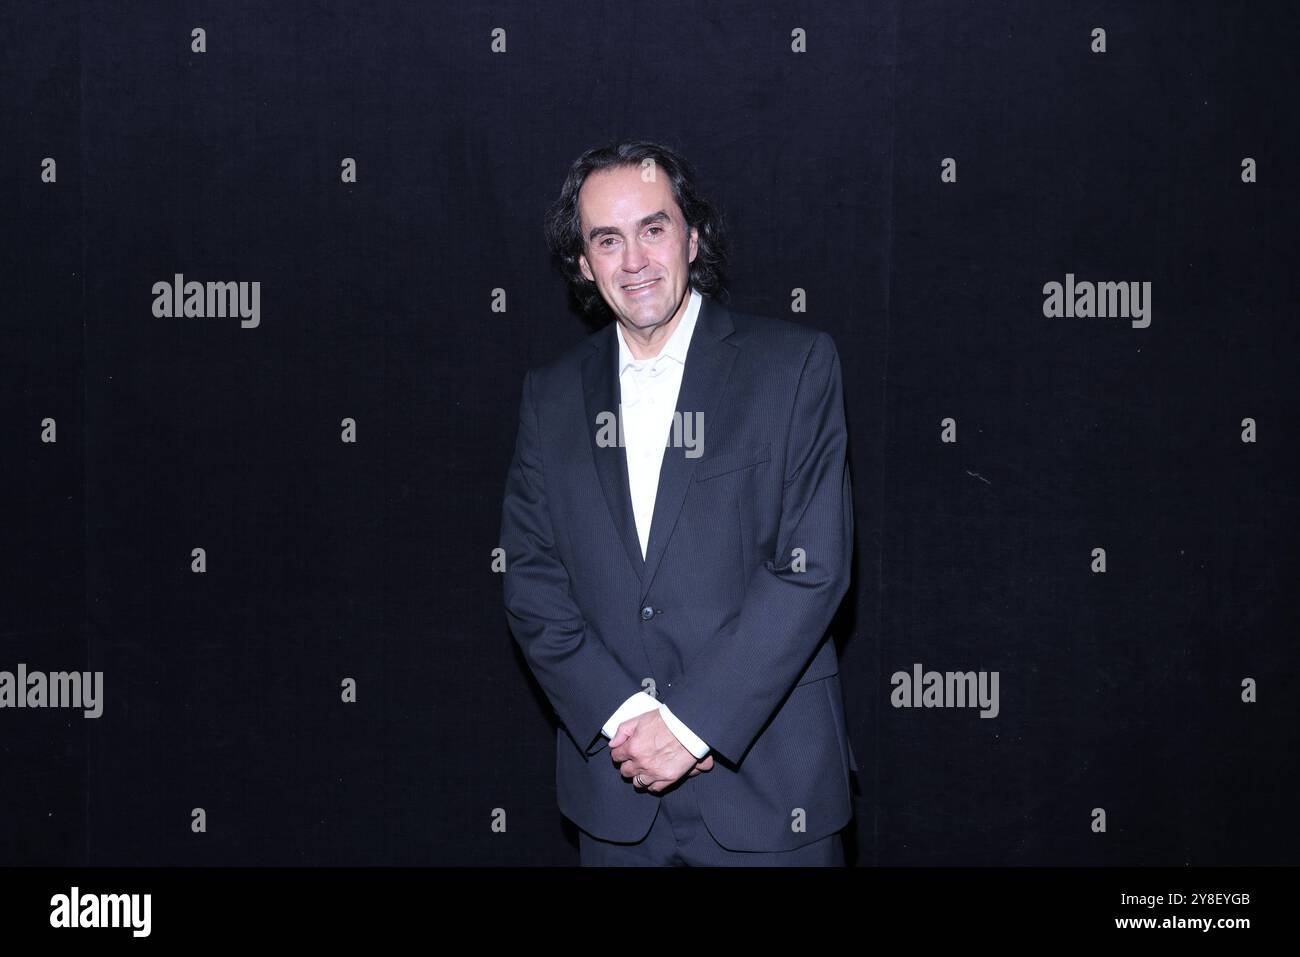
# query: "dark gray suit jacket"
{"points": [[733, 637]]}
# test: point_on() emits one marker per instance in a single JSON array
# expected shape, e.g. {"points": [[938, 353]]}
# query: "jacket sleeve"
{"points": [[582, 680], [739, 680]]}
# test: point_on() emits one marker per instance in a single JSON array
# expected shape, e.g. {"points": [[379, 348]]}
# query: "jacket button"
{"points": [[647, 613]]}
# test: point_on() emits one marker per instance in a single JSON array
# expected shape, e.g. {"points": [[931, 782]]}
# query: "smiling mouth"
{"points": [[639, 286]]}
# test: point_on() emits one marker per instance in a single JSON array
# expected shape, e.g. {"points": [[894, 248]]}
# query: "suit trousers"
{"points": [[680, 838]]}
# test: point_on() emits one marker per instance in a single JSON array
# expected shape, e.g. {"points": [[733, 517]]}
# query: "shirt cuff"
{"points": [[639, 703], [684, 734]]}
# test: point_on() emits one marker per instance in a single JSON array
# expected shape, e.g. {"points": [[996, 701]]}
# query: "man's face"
{"points": [[637, 249]]}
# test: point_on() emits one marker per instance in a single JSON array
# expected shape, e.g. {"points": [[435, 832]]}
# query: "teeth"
{"points": [[640, 286]]}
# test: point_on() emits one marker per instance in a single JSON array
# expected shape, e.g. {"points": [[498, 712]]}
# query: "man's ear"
{"points": [[586, 268], [695, 242]]}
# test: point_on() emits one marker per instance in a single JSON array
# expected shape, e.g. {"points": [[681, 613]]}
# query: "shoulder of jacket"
{"points": [[567, 363], [790, 339]]}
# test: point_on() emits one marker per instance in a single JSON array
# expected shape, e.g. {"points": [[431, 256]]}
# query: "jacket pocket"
{"points": [[716, 465]]}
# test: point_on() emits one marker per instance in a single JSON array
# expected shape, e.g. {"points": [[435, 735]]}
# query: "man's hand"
{"points": [[645, 746], [704, 764]]}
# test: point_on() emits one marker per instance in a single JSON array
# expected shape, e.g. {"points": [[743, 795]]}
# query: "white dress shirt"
{"points": [[649, 390]]}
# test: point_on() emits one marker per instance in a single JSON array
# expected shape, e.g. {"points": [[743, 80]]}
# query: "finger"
{"points": [[620, 752]]}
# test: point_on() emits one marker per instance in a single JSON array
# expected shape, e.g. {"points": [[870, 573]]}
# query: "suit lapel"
{"points": [[708, 365], [601, 393]]}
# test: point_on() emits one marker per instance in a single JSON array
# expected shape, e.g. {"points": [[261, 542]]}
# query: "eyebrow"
{"points": [[598, 231]]}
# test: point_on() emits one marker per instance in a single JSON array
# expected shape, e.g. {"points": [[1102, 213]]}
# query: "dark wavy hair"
{"points": [[564, 228]]}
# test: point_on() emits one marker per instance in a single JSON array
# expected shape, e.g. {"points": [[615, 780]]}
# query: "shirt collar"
{"points": [[676, 346]]}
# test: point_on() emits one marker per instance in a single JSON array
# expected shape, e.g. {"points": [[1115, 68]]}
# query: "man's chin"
{"points": [[643, 318]]}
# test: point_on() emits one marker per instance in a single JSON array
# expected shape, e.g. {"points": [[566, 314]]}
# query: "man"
{"points": [[678, 525]]}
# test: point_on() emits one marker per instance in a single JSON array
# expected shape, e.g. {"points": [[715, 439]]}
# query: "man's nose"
{"points": [[634, 259]]}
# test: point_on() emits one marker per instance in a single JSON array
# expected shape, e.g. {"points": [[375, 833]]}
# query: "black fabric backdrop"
{"points": [[372, 560]]}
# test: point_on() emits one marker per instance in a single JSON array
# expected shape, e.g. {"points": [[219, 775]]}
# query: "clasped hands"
{"points": [[645, 747]]}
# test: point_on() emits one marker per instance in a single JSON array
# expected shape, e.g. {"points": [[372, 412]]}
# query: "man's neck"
{"points": [[649, 342]]}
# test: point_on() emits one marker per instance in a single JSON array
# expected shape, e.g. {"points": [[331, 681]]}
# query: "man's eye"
{"points": [[660, 228], [607, 241]]}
